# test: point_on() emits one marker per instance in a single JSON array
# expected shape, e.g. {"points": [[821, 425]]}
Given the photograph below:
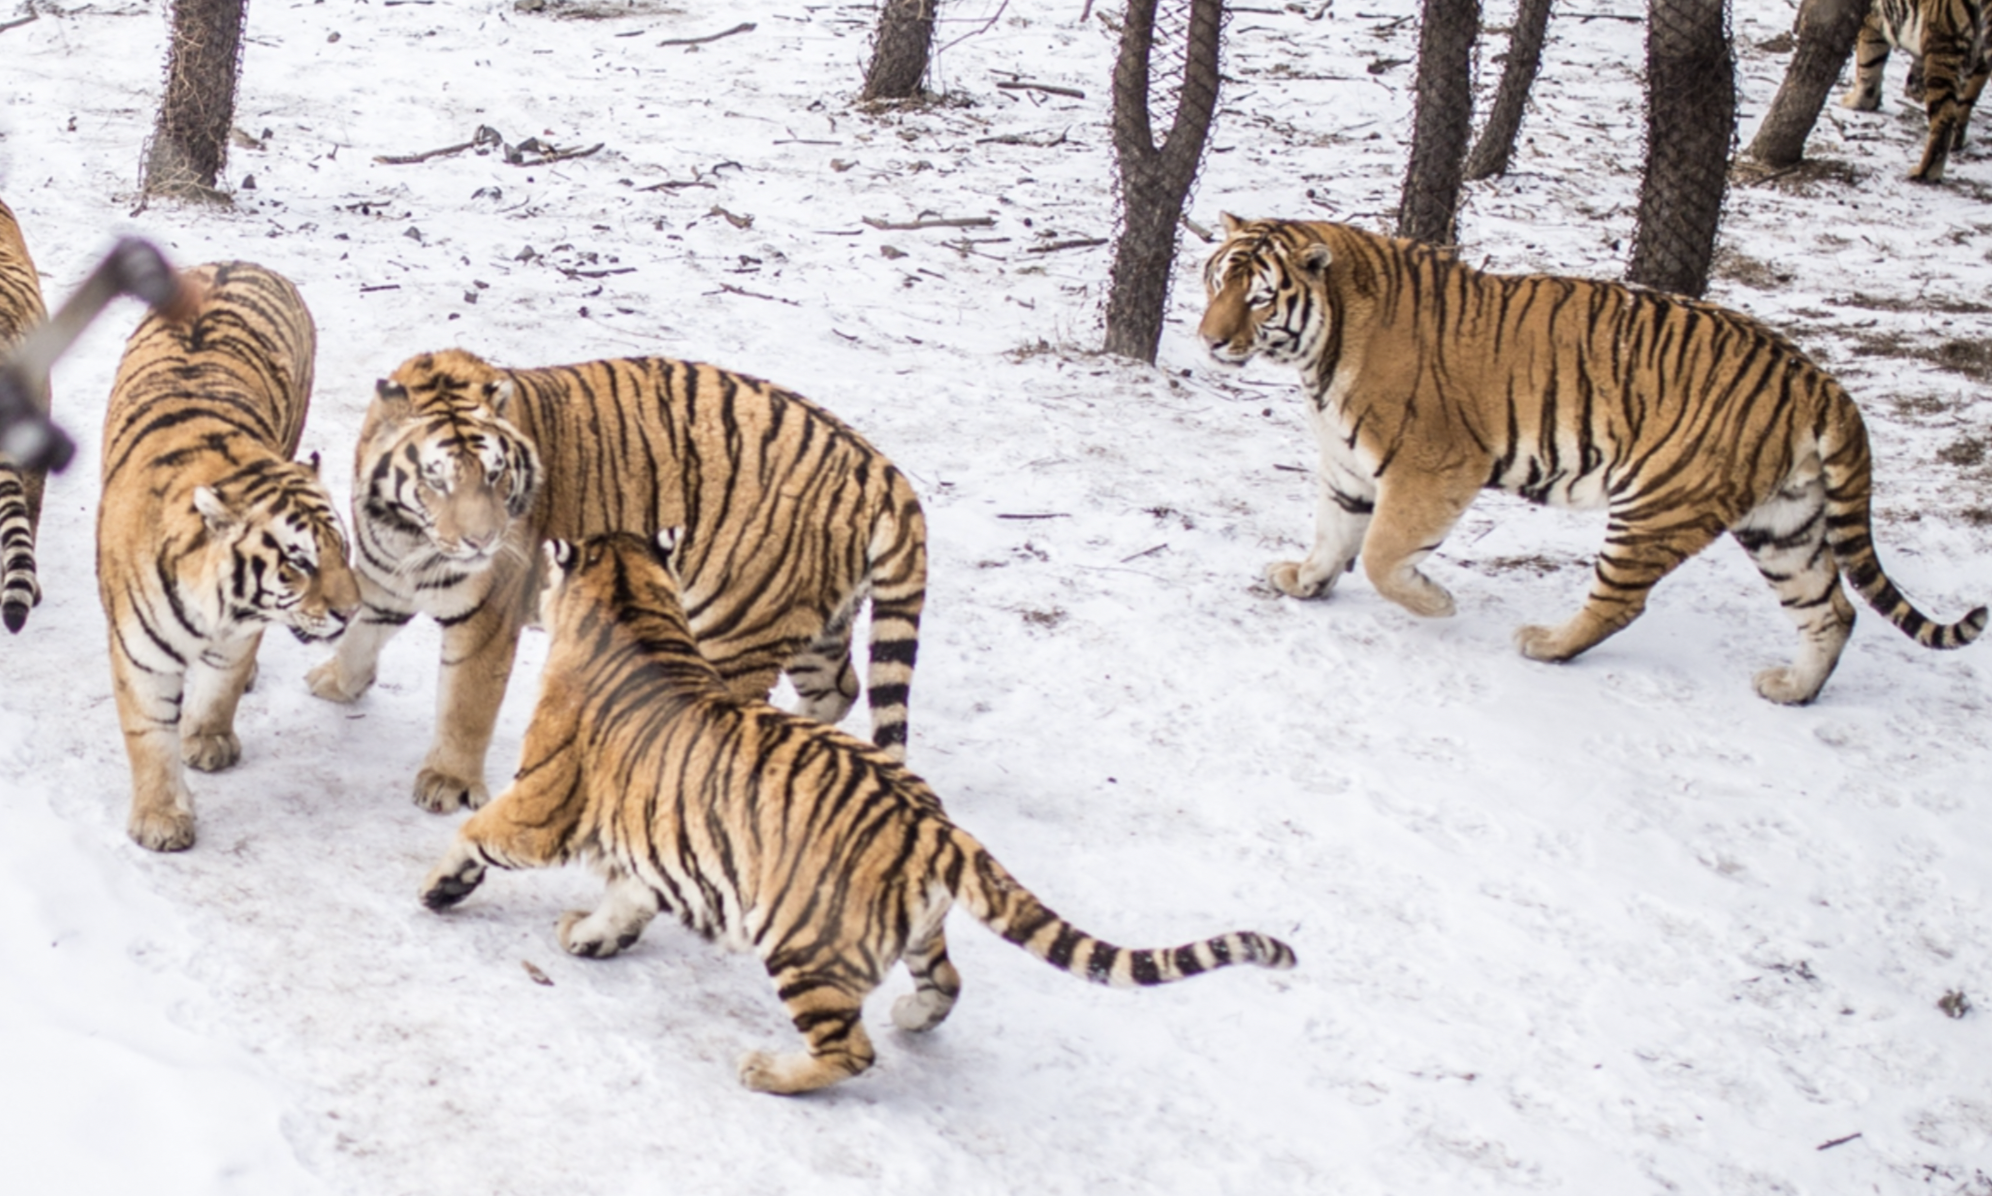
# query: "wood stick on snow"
{"points": [[742, 27]]}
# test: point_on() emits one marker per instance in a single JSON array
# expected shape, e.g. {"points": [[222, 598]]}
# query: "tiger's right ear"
{"points": [[215, 512], [1316, 258], [391, 395], [1231, 224], [500, 395], [561, 555], [668, 540]]}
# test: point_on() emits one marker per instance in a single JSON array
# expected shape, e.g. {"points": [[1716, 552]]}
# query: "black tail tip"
{"points": [[15, 615]]}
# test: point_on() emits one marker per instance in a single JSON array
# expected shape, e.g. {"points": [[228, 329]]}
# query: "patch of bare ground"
{"points": [[1535, 563], [1971, 357], [1748, 271], [1812, 176]]}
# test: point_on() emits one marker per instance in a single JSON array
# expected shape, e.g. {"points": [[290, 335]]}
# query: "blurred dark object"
{"points": [[132, 267]]}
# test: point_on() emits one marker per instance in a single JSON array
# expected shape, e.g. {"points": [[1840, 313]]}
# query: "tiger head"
{"points": [[1263, 289], [275, 551], [439, 458]]}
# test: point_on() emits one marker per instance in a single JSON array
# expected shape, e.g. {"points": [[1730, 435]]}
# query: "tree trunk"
{"points": [[1156, 180], [189, 142], [899, 55], [1826, 33], [1443, 122], [1497, 140], [1690, 123]]}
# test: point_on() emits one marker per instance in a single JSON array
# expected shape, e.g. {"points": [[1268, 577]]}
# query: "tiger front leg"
{"points": [[1412, 519], [1636, 557], [148, 698], [618, 921], [830, 1016], [215, 683], [350, 670], [476, 665], [1345, 503]]}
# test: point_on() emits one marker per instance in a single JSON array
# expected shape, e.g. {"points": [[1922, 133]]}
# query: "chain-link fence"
{"points": [[900, 49], [189, 143], [1167, 72], [1690, 128], [1442, 120], [1489, 156]]}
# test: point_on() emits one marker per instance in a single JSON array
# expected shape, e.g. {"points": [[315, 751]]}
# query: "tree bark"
{"points": [[1155, 180], [1826, 33], [900, 52], [1497, 141], [1690, 124], [189, 144], [1443, 122]]}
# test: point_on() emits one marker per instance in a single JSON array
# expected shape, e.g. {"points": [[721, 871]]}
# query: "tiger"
{"points": [[1429, 380], [208, 531], [20, 489], [763, 830], [1946, 40], [791, 520]]}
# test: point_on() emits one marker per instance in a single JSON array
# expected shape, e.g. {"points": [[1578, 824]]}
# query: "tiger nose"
{"points": [[478, 543]]}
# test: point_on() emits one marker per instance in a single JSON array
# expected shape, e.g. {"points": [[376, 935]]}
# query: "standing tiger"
{"points": [[791, 519], [208, 531], [1429, 380], [771, 833], [20, 490], [1946, 38]]}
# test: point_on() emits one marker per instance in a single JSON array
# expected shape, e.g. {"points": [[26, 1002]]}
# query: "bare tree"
{"points": [[900, 51], [1826, 33], [1155, 180], [1490, 153], [1443, 120], [1690, 124], [189, 143]]}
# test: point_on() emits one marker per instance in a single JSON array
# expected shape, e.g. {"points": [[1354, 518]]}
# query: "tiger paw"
{"points": [[1285, 577], [211, 752], [162, 830], [1785, 687], [451, 882], [1542, 643], [326, 681], [922, 1010], [440, 793], [577, 937], [787, 1075], [1862, 99]]}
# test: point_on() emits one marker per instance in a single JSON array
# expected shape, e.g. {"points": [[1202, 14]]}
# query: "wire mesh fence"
{"points": [[1690, 130]]}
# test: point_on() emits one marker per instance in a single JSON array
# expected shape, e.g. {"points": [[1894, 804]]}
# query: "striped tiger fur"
{"points": [[208, 531], [1429, 380], [20, 490], [792, 520], [772, 833], [1946, 39]]}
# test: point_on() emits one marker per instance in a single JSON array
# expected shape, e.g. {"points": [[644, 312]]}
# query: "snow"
{"points": [[1616, 926]]}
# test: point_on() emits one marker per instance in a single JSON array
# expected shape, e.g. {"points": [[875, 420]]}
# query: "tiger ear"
{"points": [[1231, 224], [668, 540], [499, 394], [1316, 258], [391, 395], [214, 512], [561, 555], [312, 461]]}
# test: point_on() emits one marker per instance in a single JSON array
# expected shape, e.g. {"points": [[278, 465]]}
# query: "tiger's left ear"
{"points": [[312, 461], [1231, 224], [668, 540], [1316, 258], [561, 555], [499, 395], [214, 512]]}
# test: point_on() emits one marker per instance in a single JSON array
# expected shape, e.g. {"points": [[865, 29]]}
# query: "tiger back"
{"points": [[771, 833], [792, 520], [20, 489], [1428, 380], [208, 532], [1947, 39]]}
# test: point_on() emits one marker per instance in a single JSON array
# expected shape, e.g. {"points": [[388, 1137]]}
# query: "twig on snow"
{"points": [[730, 289], [1055, 246], [18, 22], [485, 135], [1051, 515], [1838, 1141], [1048, 88], [939, 222], [742, 27]]}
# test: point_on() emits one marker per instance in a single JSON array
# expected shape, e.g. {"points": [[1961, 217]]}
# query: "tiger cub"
{"points": [[771, 833], [1428, 380], [1946, 39], [20, 489], [208, 531], [791, 520]]}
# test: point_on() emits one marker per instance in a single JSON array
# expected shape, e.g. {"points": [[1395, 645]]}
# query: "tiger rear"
{"points": [[20, 489], [793, 521], [1429, 380], [208, 532], [1946, 40], [770, 832]]}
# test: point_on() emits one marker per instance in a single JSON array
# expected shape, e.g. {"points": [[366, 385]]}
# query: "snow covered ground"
{"points": [[1614, 927]]}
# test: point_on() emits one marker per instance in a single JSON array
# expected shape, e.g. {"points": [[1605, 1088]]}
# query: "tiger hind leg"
{"points": [[1637, 554], [1786, 537], [215, 683], [936, 983], [829, 1013], [626, 909], [1870, 59], [822, 674]]}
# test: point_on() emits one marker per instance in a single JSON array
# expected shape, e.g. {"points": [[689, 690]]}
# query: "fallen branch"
{"points": [[1052, 515], [1145, 552], [672, 185], [1838, 1141], [1049, 88], [385, 286], [1020, 139], [16, 24], [735, 221], [938, 222], [1203, 234], [730, 289], [742, 27], [515, 155], [1606, 16], [1055, 246], [574, 273], [485, 135]]}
